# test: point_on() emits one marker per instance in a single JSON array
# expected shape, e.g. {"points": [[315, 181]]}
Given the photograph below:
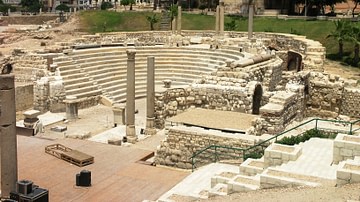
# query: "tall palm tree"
{"points": [[354, 36], [340, 34]]}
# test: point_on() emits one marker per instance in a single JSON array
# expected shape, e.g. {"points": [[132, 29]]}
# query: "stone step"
{"points": [[78, 85], [271, 178], [219, 189], [242, 183], [66, 67], [86, 94], [71, 71], [74, 76], [252, 167], [80, 90], [68, 82]]}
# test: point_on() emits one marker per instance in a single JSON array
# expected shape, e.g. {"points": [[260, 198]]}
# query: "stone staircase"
{"points": [[306, 164], [165, 21], [102, 71]]}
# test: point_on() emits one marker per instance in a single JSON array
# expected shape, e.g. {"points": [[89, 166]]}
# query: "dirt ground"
{"points": [[67, 31]]}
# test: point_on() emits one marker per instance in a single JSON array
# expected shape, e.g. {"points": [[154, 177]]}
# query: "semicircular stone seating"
{"points": [[102, 71]]}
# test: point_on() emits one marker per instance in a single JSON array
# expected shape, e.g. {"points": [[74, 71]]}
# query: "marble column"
{"points": [[173, 25], [8, 143], [130, 97], [71, 107], [217, 21], [150, 97], [221, 17], [178, 26], [251, 21]]}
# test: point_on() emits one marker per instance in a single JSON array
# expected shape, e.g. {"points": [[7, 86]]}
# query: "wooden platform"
{"points": [[115, 175], [214, 119], [67, 154]]}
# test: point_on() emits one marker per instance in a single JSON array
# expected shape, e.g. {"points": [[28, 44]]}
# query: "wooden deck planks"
{"points": [[115, 174]]}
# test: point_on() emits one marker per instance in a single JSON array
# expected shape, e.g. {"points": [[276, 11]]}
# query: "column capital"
{"points": [[131, 53]]}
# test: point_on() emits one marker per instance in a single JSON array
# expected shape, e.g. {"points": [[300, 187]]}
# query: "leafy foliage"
{"points": [[292, 140], [31, 5], [62, 7], [4, 8], [106, 5], [152, 19], [253, 155]]}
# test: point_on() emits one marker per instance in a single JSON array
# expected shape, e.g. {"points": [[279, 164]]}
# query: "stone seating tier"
{"points": [[104, 69]]}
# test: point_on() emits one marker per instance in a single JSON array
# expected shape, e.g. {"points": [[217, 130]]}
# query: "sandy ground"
{"points": [[345, 193]]}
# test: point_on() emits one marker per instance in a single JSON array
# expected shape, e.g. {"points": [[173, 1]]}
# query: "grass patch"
{"points": [[110, 21]]}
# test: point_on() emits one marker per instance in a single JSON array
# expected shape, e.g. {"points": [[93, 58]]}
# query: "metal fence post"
{"points": [[316, 124], [350, 132]]}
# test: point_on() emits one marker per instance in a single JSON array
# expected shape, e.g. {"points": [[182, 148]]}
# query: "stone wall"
{"points": [[350, 104], [24, 96], [282, 109], [227, 94], [181, 142], [49, 94], [325, 95], [345, 147]]}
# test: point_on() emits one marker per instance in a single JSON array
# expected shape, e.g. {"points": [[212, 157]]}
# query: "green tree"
{"points": [[31, 5], [202, 7], [4, 8], [354, 36], [127, 2], [319, 4], [356, 2], [173, 13], [152, 19], [340, 34], [106, 5], [62, 7]]}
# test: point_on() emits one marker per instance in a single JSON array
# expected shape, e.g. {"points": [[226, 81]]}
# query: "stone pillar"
{"points": [[221, 17], [251, 21], [71, 107], [130, 97], [173, 25], [178, 23], [217, 20], [8, 142], [150, 97]]}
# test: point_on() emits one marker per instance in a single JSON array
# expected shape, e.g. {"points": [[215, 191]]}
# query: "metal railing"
{"points": [[217, 150]]}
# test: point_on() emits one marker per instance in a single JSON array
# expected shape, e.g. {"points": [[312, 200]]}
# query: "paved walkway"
{"points": [[315, 160]]}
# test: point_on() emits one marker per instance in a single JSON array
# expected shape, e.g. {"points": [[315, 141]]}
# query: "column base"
{"points": [[131, 134], [150, 131]]}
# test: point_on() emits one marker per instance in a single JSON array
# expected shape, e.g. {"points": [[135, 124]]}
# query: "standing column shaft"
{"points": [[178, 26], [130, 97], [217, 20], [8, 143], [222, 12], [251, 21], [150, 101]]}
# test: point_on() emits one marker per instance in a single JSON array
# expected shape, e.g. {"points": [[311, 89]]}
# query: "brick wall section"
{"points": [[350, 104], [24, 97], [182, 142]]}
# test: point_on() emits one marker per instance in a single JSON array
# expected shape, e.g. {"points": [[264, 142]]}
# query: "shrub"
{"points": [[62, 7], [106, 5], [292, 140]]}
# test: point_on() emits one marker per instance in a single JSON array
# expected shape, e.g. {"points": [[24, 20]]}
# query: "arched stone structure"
{"points": [[256, 101], [294, 61]]}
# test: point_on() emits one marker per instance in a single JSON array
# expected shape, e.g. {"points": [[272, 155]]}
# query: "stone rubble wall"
{"points": [[181, 142], [236, 95], [278, 112], [49, 94], [350, 104], [24, 97], [326, 95], [29, 67]]}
